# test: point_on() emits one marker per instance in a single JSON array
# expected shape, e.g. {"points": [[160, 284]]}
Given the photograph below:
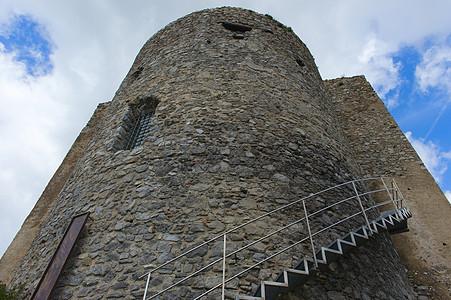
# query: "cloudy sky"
{"points": [[59, 59]]}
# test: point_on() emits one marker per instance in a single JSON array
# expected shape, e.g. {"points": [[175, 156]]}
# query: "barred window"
{"points": [[136, 123], [139, 130]]}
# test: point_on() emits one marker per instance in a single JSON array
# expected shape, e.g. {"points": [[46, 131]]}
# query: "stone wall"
{"points": [[382, 149], [377, 257], [243, 124], [24, 238]]}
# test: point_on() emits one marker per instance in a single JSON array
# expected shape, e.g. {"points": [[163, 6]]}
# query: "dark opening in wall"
{"points": [[300, 62], [137, 123], [135, 74], [236, 27]]}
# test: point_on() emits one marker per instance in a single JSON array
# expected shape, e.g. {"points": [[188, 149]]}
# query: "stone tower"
{"points": [[223, 117]]}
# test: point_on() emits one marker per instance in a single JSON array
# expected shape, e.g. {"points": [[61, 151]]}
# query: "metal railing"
{"points": [[395, 199]]}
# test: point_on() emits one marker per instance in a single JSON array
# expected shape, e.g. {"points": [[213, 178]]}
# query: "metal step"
{"points": [[395, 221]]}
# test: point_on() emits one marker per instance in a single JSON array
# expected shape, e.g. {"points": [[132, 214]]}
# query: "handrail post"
{"points": [[147, 285], [224, 267], [310, 235], [395, 194], [388, 192], [395, 197], [398, 191], [361, 207]]}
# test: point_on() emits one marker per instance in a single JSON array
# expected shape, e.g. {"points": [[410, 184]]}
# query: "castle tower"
{"points": [[222, 118]]}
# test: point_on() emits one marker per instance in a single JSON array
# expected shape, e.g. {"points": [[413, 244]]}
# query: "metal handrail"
{"points": [[260, 217], [357, 195], [283, 250], [228, 255]]}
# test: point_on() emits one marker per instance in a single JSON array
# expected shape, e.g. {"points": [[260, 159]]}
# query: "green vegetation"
{"points": [[279, 24], [269, 16], [13, 293]]}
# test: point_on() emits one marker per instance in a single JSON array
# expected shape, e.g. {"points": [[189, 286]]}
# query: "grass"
{"points": [[14, 293]]}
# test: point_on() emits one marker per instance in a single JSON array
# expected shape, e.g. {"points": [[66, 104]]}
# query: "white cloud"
{"points": [[359, 37], [434, 73], [435, 69], [384, 73], [392, 102], [29, 118], [40, 117], [96, 42], [434, 160]]}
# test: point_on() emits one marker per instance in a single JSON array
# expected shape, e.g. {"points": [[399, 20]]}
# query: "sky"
{"points": [[60, 59]]}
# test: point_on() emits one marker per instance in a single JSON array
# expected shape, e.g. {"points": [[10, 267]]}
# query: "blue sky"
{"points": [[421, 102], [29, 42], [59, 59]]}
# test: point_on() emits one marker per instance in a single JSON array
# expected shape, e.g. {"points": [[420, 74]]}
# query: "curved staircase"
{"points": [[394, 221]]}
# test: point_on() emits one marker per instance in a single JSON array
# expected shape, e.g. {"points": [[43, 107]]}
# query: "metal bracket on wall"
{"points": [[56, 266]]}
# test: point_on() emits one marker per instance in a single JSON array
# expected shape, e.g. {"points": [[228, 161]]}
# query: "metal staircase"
{"points": [[395, 221], [162, 283]]}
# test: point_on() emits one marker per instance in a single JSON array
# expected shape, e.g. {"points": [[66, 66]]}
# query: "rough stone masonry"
{"points": [[237, 122]]}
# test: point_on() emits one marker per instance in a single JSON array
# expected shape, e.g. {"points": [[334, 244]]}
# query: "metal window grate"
{"points": [[139, 131]]}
